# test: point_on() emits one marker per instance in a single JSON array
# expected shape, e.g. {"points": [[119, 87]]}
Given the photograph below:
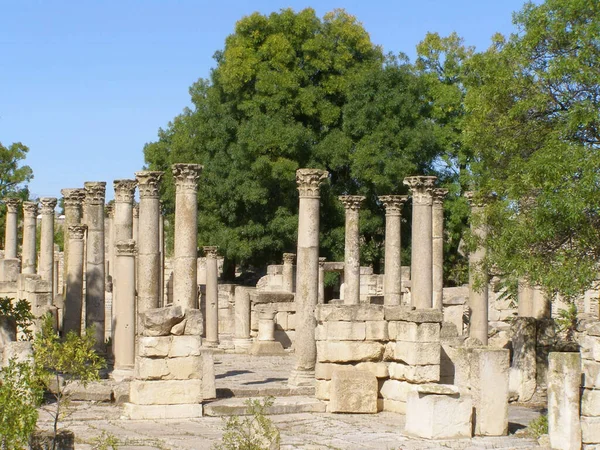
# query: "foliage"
{"points": [[20, 395], [20, 312], [533, 123], [60, 362], [105, 441], [252, 432], [538, 426], [567, 321]]}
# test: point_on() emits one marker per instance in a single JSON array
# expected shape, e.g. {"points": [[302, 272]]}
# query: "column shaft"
{"points": [[321, 295], [74, 279], [10, 232], [288, 271], [438, 247], [212, 293], [352, 249], [242, 318], [392, 279], [73, 201], [28, 251], [124, 317], [47, 240]]}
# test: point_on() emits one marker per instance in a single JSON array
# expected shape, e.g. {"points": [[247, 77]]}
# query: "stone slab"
{"points": [[157, 412], [166, 392], [285, 405], [349, 313], [347, 351]]}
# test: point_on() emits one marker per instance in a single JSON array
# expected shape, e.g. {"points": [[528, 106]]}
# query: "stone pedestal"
{"points": [[352, 249], [212, 293], [266, 343], [124, 310], [421, 269], [241, 339], [321, 296], [10, 232], [307, 275], [288, 271], [438, 246], [47, 240], [185, 288], [28, 250], [392, 281], [94, 275], [73, 201], [74, 288]]}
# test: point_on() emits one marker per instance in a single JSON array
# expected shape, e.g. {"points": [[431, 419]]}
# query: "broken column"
{"points": [[307, 274], [74, 279], [241, 339], [288, 271], [438, 246], [124, 311], [94, 275], [46, 269], [10, 232], [265, 343], [212, 294], [28, 250], [149, 266], [352, 249], [478, 277], [185, 287], [392, 281], [421, 270], [321, 296], [72, 203]]}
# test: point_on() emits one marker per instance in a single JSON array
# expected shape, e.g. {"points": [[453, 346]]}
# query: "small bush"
{"points": [[539, 426]]}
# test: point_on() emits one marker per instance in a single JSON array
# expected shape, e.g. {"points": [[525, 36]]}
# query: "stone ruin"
{"points": [[449, 358]]}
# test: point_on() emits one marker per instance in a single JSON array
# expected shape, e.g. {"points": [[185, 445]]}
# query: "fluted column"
{"points": [[72, 202], [421, 270], [46, 269], [307, 275], [212, 293], [148, 269], [321, 296], [95, 316], [74, 279], [124, 317], [10, 232], [478, 277], [185, 287], [392, 278], [288, 271], [28, 250], [438, 246], [352, 249]]}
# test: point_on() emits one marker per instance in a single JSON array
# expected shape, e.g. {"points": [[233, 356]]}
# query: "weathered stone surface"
{"points": [[154, 347], [590, 348], [394, 406], [415, 374], [21, 351], [322, 391], [437, 389], [591, 374], [438, 416], [345, 351], [186, 368], [417, 353], [418, 332], [590, 402], [349, 313], [194, 325], [594, 330], [396, 390], [523, 372], [266, 348], [150, 368], [406, 314], [179, 329], [159, 321], [208, 375], [376, 330], [157, 412], [379, 369], [271, 297], [166, 392], [353, 391], [345, 331], [590, 430], [182, 346], [92, 392]]}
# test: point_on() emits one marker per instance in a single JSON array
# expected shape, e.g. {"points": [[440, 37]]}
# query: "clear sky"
{"points": [[85, 84]]}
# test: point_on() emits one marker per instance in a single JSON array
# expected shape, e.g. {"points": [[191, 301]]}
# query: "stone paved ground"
{"points": [[95, 422]]}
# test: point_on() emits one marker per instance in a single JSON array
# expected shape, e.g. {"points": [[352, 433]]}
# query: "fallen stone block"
{"points": [[159, 321], [166, 392], [194, 322]]}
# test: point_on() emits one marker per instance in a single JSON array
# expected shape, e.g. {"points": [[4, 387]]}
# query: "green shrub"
{"points": [[538, 427]]}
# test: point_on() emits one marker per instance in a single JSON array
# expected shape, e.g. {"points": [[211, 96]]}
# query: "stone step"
{"points": [[281, 405], [265, 391]]}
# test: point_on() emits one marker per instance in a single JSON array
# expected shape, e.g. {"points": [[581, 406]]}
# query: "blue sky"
{"points": [[85, 84]]}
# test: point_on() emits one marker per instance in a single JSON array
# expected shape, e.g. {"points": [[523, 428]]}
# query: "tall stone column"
{"points": [[185, 287], [212, 297], [421, 265], [307, 275], [478, 277], [392, 278], [242, 340], [321, 296], [149, 251], [123, 223], [73, 201], [438, 246], [10, 232], [74, 279], [28, 250], [47, 240], [352, 249], [94, 276], [288, 271], [161, 258], [109, 235], [124, 317], [136, 223]]}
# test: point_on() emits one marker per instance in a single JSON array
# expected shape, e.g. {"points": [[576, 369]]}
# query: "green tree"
{"points": [[533, 117]]}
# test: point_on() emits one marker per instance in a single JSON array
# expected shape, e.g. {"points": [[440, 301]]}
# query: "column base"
{"points": [[300, 378], [267, 348], [242, 344], [210, 344], [120, 375]]}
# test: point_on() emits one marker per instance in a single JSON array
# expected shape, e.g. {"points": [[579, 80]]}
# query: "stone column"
{"points": [[73, 201], [94, 289], [124, 310], [74, 279], [185, 264], [28, 251], [10, 232], [47, 240], [123, 223], [288, 271], [525, 299], [352, 249], [321, 296], [136, 222], [161, 258], [307, 275], [542, 306], [109, 235], [212, 297], [392, 278], [242, 340], [478, 278], [421, 265], [438, 246], [149, 252]]}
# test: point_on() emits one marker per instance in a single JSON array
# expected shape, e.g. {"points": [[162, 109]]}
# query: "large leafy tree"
{"points": [[291, 90], [533, 121]]}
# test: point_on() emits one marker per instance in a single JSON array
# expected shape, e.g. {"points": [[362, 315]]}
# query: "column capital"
{"points": [[77, 231], [149, 183], [210, 251], [352, 202], [110, 209], [136, 211], [30, 209], [48, 205], [126, 248], [309, 181], [289, 258], [421, 188], [186, 176], [124, 190], [73, 196], [12, 204], [439, 194], [393, 203], [95, 192]]}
